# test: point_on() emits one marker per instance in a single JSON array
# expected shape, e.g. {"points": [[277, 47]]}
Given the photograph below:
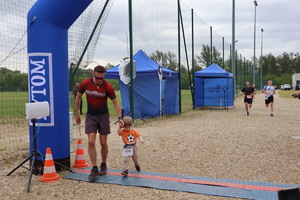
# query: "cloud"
{"points": [[155, 26], [278, 19]]}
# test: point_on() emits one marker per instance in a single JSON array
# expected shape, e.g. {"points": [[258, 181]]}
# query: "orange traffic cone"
{"points": [[49, 174], [80, 161]]}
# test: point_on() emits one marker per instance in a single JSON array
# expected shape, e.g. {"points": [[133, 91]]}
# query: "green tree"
{"points": [[13, 80], [109, 66], [168, 59], [205, 56]]}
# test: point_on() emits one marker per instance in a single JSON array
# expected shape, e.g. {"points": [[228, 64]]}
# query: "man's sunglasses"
{"points": [[98, 78]]}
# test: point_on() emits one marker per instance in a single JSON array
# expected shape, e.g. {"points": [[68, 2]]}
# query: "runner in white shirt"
{"points": [[269, 90]]}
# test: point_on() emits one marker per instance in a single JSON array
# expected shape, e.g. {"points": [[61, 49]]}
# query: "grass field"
{"points": [[287, 93], [185, 98], [12, 104]]}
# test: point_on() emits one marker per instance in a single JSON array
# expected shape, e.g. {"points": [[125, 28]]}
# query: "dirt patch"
{"points": [[211, 143]]}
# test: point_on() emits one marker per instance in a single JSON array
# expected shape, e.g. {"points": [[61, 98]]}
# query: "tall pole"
{"points": [[211, 46], [254, 57], [233, 45], [186, 52], [223, 61], [261, 54], [241, 70], [179, 55], [245, 75], [193, 59], [247, 70], [230, 56], [131, 59], [236, 71]]}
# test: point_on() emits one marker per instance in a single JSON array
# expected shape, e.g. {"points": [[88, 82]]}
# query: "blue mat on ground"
{"points": [[170, 182]]}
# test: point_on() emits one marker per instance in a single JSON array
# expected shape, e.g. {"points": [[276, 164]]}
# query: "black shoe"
{"points": [[125, 173], [94, 174], [138, 169], [247, 113], [103, 169]]}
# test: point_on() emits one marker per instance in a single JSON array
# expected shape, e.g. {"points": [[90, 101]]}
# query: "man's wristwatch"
{"points": [[120, 118]]}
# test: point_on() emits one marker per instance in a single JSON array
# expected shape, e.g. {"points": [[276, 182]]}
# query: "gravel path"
{"points": [[211, 143]]}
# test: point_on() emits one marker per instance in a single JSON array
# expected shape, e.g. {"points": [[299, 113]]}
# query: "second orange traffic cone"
{"points": [[49, 173], [80, 161]]}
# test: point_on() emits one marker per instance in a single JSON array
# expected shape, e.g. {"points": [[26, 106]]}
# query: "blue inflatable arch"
{"points": [[48, 24]]}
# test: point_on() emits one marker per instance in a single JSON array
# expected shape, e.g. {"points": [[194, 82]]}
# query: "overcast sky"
{"points": [[279, 20]]}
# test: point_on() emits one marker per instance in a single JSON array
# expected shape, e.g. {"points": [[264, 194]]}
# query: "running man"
{"points": [[248, 92], [270, 91], [97, 92]]}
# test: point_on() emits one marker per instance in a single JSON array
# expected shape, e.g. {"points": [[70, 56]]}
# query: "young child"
{"points": [[129, 136]]}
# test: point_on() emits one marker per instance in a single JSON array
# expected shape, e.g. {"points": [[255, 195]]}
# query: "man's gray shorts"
{"points": [[97, 123]]}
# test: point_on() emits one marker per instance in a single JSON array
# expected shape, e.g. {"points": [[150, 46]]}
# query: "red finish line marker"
{"points": [[182, 180]]}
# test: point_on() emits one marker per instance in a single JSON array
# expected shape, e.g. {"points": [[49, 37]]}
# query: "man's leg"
{"points": [[92, 148], [271, 107], [104, 152], [104, 147], [93, 155], [246, 106]]}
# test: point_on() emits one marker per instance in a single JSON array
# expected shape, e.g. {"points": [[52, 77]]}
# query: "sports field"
{"points": [[210, 143], [13, 103], [13, 120]]}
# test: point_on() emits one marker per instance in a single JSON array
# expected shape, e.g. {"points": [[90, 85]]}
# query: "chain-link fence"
{"points": [[164, 30], [14, 66]]}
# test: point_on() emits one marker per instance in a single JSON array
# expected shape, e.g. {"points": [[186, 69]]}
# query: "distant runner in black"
{"points": [[248, 92]]}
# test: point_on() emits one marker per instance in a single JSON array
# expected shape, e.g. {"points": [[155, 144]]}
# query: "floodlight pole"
{"points": [[131, 59], [261, 54], [233, 47], [245, 73], [211, 46], [179, 55], [223, 56], [193, 59], [254, 57]]}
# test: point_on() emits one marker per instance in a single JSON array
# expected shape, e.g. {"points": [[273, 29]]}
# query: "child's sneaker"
{"points": [[125, 173], [138, 168]]}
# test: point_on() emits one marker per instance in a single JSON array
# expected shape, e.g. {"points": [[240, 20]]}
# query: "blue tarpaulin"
{"points": [[213, 87], [147, 88]]}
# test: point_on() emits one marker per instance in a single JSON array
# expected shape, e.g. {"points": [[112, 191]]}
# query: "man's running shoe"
{"points": [[138, 169], [94, 174], [103, 169], [125, 173]]}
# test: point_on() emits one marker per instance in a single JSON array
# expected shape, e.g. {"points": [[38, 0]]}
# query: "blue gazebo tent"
{"points": [[213, 86], [148, 101]]}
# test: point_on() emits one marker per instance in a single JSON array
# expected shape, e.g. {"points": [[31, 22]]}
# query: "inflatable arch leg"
{"points": [[48, 24]]}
